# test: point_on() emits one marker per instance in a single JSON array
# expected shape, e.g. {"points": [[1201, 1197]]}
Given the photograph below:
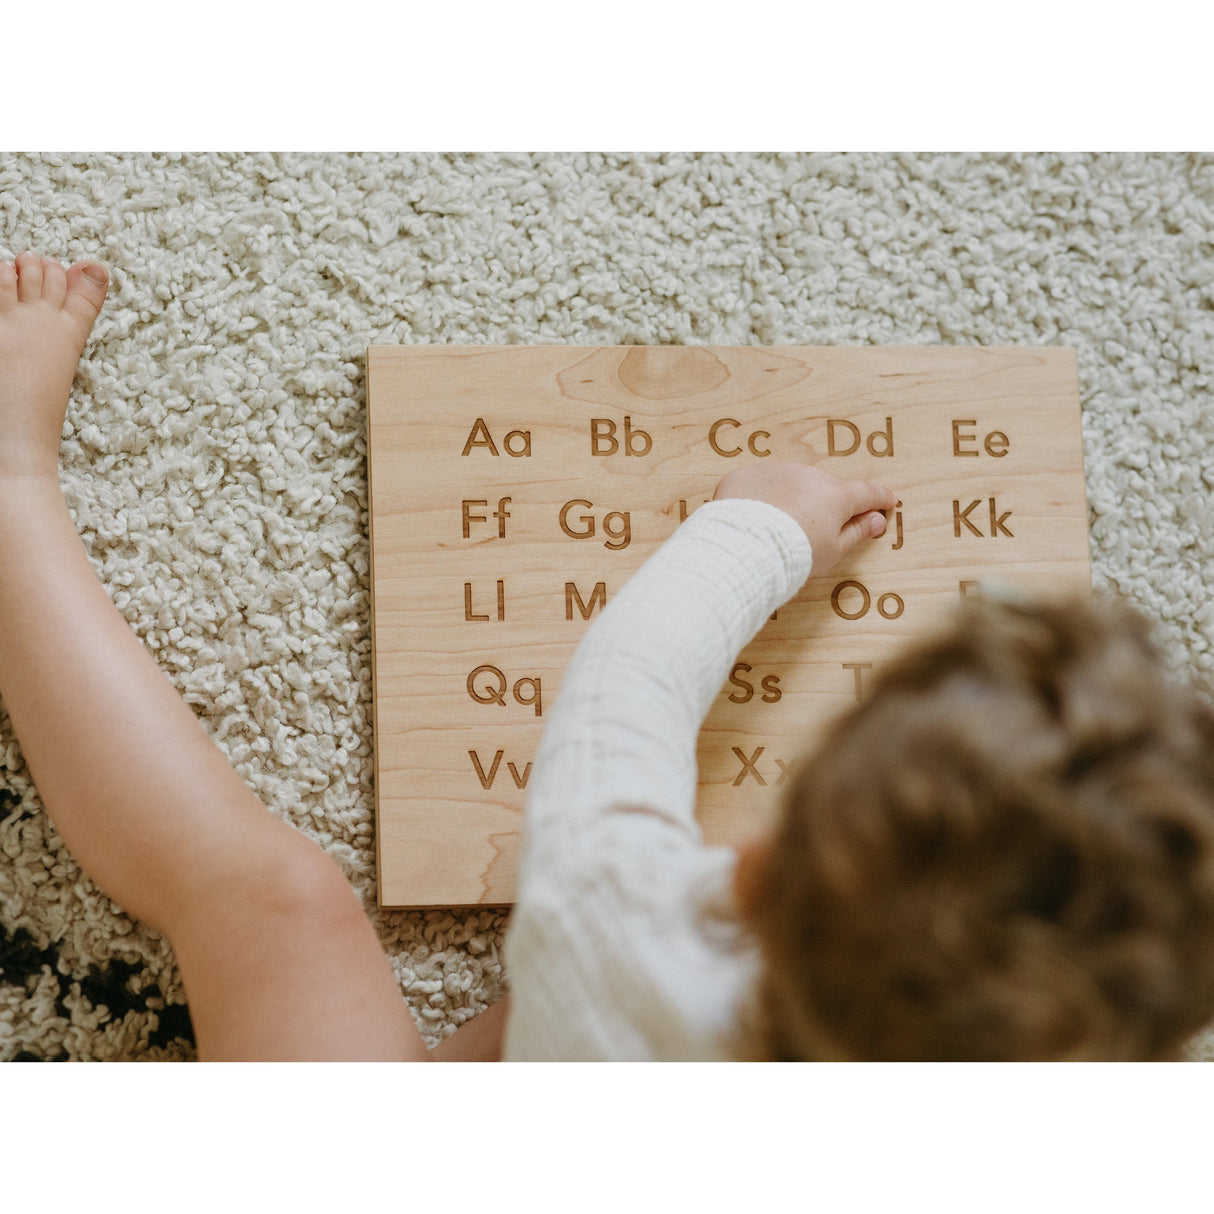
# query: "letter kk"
{"points": [[961, 518]]}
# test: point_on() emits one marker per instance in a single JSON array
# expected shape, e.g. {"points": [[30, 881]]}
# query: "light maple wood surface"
{"points": [[983, 447]]}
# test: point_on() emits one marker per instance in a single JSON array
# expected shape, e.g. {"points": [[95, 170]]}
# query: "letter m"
{"points": [[598, 598]]}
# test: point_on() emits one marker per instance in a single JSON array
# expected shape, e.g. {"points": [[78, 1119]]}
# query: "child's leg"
{"points": [[276, 956]]}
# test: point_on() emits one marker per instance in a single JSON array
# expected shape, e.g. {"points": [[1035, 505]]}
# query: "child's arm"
{"points": [[611, 847], [663, 648]]}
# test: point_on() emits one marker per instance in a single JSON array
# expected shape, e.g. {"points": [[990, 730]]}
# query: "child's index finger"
{"points": [[863, 496]]}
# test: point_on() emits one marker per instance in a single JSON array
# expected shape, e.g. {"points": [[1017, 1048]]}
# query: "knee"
{"points": [[281, 877], [301, 883]]}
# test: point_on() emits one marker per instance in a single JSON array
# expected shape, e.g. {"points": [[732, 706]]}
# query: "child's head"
{"points": [[1007, 851]]}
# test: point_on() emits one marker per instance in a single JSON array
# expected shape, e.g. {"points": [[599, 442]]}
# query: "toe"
{"points": [[86, 286], [8, 285], [29, 277], [54, 282]]}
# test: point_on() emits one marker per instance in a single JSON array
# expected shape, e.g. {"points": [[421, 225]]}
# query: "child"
{"points": [[1005, 852], [277, 958]]}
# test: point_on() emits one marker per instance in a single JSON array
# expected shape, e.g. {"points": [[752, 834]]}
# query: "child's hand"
{"points": [[835, 514]]}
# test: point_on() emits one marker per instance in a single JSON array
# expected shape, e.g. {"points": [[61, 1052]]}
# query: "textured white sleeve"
{"points": [[623, 729], [605, 953]]}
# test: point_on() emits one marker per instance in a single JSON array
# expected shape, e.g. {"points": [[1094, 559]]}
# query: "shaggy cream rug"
{"points": [[215, 453]]}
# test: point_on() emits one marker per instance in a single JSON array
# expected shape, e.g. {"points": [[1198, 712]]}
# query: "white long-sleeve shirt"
{"points": [[614, 950]]}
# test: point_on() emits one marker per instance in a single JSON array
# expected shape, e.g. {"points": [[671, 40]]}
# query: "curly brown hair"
{"points": [[1005, 852]]}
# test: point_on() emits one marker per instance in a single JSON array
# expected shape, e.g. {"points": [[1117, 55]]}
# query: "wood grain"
{"points": [[509, 484]]}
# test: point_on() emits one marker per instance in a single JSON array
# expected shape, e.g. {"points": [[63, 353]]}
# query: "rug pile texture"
{"points": [[214, 455]]}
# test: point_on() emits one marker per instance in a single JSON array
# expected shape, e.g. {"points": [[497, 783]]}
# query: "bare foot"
{"points": [[46, 314]]}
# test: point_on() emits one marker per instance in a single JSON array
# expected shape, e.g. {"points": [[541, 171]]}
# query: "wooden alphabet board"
{"points": [[514, 489]]}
